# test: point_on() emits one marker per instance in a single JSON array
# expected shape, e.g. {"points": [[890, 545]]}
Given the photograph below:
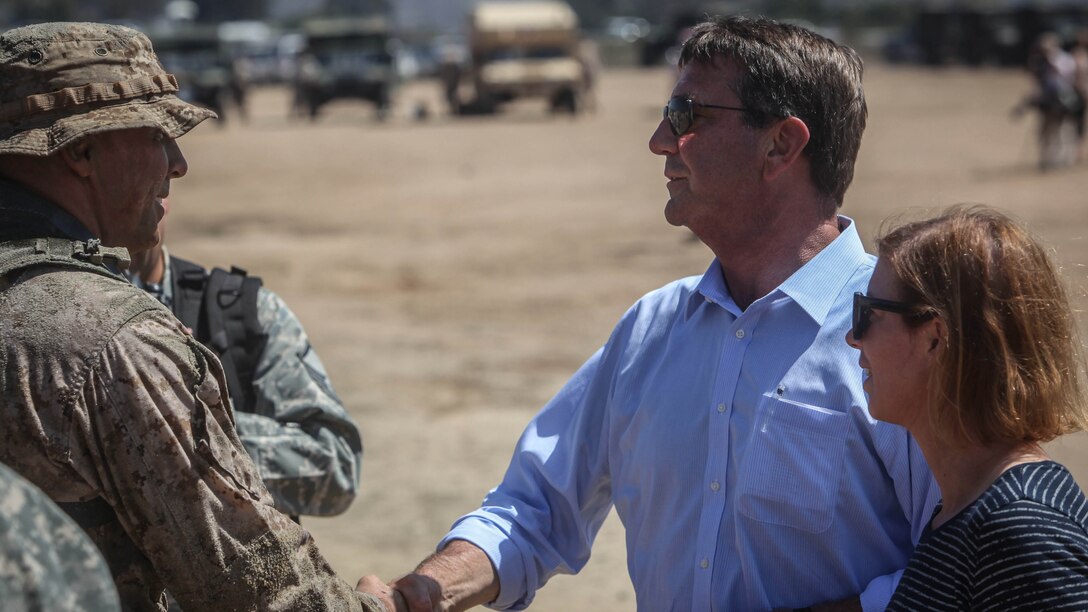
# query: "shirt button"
{"points": [[740, 333], [704, 564], [721, 407], [714, 486]]}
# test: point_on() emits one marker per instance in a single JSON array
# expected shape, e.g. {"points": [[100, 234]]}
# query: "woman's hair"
{"points": [[1010, 369]]}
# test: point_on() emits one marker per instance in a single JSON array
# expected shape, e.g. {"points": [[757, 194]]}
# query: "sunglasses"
{"points": [[865, 305], [680, 111]]}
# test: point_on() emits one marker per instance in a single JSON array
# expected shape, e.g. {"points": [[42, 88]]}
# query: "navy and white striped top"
{"points": [[1022, 545]]}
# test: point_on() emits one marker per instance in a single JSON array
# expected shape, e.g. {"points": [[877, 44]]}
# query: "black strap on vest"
{"points": [[89, 514], [221, 309]]}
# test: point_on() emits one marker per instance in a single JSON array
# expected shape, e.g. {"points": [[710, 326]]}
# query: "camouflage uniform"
{"points": [[106, 402], [305, 445], [46, 561]]}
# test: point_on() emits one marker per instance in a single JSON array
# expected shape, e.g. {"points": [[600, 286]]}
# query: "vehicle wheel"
{"points": [[566, 101]]}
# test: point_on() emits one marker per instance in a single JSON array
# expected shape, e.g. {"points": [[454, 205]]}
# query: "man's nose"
{"points": [[663, 141], [177, 165]]}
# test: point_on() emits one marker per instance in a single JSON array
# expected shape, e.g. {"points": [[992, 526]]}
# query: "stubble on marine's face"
{"points": [[134, 176]]}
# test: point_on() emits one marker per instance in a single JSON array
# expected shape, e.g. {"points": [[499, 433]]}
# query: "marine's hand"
{"points": [[391, 599]]}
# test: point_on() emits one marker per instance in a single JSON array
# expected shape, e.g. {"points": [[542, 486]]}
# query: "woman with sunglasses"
{"points": [[967, 340]]}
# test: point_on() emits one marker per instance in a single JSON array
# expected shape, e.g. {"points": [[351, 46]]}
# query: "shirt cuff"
{"points": [[505, 557]]}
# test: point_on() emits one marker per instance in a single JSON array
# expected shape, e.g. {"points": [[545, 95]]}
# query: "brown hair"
{"points": [[1010, 371], [789, 71]]}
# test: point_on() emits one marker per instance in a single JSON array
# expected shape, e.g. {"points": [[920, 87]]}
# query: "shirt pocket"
{"points": [[794, 465]]}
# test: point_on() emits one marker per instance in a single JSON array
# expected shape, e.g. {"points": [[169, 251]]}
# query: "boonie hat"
{"points": [[60, 82]]}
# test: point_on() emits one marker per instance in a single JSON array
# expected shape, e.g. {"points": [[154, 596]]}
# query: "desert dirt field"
{"points": [[452, 273]]}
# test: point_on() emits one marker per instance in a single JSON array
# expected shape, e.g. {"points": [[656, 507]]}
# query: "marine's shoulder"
{"points": [[70, 309]]}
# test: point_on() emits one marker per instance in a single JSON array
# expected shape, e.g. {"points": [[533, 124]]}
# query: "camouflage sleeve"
{"points": [[46, 561], [169, 462], [305, 445]]}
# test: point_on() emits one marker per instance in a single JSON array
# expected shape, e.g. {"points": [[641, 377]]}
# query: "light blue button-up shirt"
{"points": [[735, 446]]}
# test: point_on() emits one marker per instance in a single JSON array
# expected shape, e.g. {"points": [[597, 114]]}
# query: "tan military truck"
{"points": [[519, 50]]}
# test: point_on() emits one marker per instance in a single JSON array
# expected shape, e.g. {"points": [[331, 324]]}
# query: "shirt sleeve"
{"points": [[917, 493], [306, 446], [542, 519], [1029, 553], [183, 488]]}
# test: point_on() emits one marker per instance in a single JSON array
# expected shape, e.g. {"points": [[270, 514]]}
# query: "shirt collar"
{"points": [[815, 287], [47, 219]]}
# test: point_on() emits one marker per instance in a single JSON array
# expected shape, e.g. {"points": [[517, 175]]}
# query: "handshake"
{"points": [[458, 577]]}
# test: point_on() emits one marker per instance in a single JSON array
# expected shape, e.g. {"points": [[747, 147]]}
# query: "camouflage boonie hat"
{"points": [[60, 82]]}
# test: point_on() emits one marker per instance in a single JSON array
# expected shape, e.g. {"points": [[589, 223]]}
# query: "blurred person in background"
{"points": [[724, 420], [1079, 51], [292, 423], [1055, 97], [106, 402], [968, 341]]}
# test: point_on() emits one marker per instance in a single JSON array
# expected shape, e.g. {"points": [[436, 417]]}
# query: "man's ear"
{"points": [[77, 156], [788, 138]]}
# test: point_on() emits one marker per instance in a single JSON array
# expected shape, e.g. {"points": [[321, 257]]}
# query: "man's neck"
{"points": [[755, 270], [150, 266]]}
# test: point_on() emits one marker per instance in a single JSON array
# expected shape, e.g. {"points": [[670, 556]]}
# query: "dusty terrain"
{"points": [[453, 273]]}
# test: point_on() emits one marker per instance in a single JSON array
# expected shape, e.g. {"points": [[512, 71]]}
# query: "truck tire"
{"points": [[565, 101]]}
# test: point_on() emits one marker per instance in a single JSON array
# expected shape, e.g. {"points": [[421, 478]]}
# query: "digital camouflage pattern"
{"points": [[63, 81], [46, 561], [103, 394], [306, 446]]}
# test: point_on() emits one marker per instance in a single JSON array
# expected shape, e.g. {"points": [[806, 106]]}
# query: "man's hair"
{"points": [[789, 71], [1010, 370]]}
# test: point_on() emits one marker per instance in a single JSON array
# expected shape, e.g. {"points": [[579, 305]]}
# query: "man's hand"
{"points": [[420, 593], [456, 578], [392, 600]]}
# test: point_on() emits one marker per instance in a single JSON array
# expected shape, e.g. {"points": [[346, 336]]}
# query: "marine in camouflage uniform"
{"points": [[106, 402], [305, 445], [46, 561]]}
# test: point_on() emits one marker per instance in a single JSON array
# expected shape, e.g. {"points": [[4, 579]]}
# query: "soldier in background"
{"points": [[46, 561], [292, 423], [106, 402]]}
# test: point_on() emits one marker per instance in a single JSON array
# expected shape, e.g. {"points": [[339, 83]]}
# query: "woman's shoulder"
{"points": [[1034, 501]]}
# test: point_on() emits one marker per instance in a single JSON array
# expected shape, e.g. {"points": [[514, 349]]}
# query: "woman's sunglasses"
{"points": [[865, 305], [680, 111]]}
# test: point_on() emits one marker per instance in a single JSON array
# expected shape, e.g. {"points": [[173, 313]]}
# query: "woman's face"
{"points": [[896, 358]]}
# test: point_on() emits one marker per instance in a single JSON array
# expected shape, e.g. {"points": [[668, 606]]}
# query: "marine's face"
{"points": [[131, 174], [714, 167]]}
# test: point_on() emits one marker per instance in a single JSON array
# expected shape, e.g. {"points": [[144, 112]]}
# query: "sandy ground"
{"points": [[454, 272]]}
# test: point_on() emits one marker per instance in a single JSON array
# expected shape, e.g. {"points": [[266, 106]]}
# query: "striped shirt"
{"points": [[1022, 545]]}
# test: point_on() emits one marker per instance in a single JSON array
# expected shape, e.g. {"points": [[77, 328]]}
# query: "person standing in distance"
{"points": [[106, 402], [724, 419]]}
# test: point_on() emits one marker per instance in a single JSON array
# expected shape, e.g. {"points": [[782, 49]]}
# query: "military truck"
{"points": [[345, 58], [195, 56], [519, 50]]}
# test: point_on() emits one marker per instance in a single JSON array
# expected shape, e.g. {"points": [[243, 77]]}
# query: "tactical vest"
{"points": [[221, 309], [18, 257]]}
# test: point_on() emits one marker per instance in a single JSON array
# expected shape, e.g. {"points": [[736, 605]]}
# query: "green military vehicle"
{"points": [[345, 58], [195, 55]]}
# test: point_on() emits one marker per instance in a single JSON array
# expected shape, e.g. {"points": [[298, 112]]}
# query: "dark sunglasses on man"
{"points": [[680, 111], [865, 305]]}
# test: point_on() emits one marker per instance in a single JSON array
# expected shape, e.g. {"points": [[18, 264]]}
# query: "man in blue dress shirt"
{"points": [[724, 419]]}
